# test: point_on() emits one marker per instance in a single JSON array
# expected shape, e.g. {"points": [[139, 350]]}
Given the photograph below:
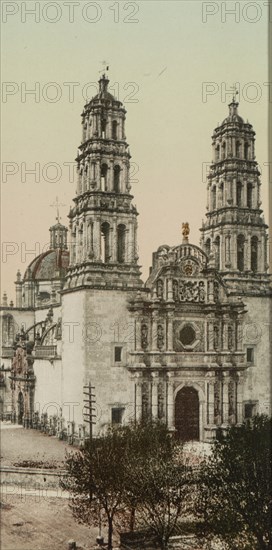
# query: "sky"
{"points": [[172, 63]]}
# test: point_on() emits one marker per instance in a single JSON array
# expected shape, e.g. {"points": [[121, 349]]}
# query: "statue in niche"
{"points": [[217, 403], [216, 291], [160, 337], [231, 395], [160, 402], [160, 288], [144, 336], [175, 291], [216, 337], [230, 338], [145, 401], [201, 292]]}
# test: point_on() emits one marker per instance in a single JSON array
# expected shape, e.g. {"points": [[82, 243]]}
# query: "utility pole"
{"points": [[89, 415]]}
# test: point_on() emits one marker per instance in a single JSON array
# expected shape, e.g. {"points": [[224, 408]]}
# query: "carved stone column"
{"points": [[170, 402], [239, 336], [210, 399], [239, 398], [154, 395], [169, 290], [154, 333], [225, 333], [97, 240], [170, 316], [138, 396], [225, 398], [138, 343], [210, 330]]}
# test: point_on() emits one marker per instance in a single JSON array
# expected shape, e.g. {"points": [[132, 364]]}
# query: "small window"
{"points": [[250, 410], [117, 354], [116, 415], [250, 355]]}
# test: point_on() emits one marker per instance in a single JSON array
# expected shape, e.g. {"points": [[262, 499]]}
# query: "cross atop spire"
{"points": [[106, 67], [57, 205]]}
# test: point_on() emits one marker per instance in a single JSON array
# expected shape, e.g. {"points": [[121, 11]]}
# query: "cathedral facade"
{"points": [[88, 344]]}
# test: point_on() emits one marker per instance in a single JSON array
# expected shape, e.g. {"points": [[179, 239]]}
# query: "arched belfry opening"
{"points": [[254, 254], [121, 243], [114, 129], [105, 242], [116, 180], [240, 252], [104, 177], [239, 194], [187, 414]]}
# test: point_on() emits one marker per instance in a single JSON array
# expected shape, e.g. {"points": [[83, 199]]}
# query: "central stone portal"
{"points": [[187, 414]]}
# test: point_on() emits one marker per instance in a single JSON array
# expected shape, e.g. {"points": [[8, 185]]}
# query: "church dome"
{"points": [[51, 264]]}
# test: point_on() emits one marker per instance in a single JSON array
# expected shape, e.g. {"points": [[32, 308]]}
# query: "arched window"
{"points": [[103, 127], [239, 193], [105, 242], [223, 151], [246, 151], [213, 198], [104, 176], [217, 252], [121, 243], [208, 247], [114, 129], [241, 252], [217, 153], [222, 193], [116, 181], [249, 195], [238, 149], [254, 254], [8, 330]]}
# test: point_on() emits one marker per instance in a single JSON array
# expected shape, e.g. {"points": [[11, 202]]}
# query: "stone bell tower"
{"points": [[103, 220], [103, 275], [234, 235], [235, 231]]}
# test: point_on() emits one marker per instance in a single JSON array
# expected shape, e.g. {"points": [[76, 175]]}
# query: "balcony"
{"points": [[46, 352]]}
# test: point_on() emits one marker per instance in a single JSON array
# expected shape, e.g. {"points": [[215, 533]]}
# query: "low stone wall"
{"points": [[37, 478]]}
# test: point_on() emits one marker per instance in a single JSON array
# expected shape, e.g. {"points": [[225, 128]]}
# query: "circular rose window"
{"points": [[187, 335]]}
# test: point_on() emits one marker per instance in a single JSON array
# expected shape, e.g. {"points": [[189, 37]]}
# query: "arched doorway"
{"points": [[20, 408], [187, 414]]}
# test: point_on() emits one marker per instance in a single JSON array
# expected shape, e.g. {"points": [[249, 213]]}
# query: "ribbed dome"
{"points": [[48, 265]]}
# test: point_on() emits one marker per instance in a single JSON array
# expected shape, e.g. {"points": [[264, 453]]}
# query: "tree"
{"points": [[99, 477], [95, 478], [161, 488], [235, 486]]}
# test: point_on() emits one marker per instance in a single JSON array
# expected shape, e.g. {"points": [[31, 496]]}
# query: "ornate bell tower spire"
{"points": [[234, 231], [103, 220]]}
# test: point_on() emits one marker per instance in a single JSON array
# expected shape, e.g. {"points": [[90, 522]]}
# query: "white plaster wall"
{"points": [[49, 386], [98, 320], [257, 333]]}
